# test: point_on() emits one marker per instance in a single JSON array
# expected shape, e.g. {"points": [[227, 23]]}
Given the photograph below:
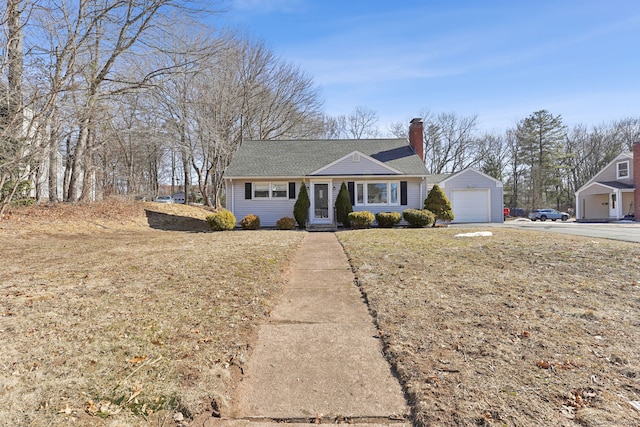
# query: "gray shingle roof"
{"points": [[616, 184], [437, 178], [300, 158]]}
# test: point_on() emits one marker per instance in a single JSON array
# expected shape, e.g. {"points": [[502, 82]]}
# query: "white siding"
{"points": [[271, 210], [609, 173], [347, 166], [473, 180]]}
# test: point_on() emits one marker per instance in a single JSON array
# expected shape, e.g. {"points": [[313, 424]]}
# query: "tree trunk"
{"points": [[77, 163], [53, 164], [15, 65]]}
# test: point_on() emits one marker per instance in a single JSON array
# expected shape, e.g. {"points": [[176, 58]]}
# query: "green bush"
{"points": [[250, 222], [343, 206], [388, 219], [301, 207], [221, 220], [418, 217], [286, 223], [22, 189], [438, 203], [362, 219]]}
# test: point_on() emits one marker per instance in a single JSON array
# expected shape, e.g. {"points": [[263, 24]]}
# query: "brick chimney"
{"points": [[636, 180], [416, 138]]}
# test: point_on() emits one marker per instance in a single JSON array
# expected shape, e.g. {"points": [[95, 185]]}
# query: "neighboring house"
{"points": [[474, 196], [611, 194], [382, 175]]}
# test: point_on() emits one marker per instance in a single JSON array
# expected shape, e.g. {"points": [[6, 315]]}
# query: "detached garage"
{"points": [[475, 196]]}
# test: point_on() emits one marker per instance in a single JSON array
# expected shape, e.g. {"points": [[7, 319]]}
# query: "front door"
{"points": [[614, 209], [321, 209]]}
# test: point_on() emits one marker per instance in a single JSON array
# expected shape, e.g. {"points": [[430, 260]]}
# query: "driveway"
{"points": [[624, 231]]}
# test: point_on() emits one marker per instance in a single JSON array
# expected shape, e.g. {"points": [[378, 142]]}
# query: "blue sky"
{"points": [[499, 60]]}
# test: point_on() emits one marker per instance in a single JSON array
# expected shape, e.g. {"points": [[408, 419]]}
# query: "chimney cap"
{"points": [[416, 120]]}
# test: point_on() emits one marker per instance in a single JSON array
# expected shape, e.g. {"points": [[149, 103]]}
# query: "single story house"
{"points": [[382, 175], [474, 195], [611, 194]]}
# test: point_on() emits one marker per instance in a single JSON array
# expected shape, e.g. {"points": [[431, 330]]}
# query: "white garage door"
{"points": [[470, 205]]}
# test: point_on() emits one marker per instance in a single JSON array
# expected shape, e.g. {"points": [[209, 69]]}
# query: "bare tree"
{"points": [[13, 138], [359, 124], [280, 97], [450, 142], [241, 91], [93, 38], [628, 131], [517, 171]]}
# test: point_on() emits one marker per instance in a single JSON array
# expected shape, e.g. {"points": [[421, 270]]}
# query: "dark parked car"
{"points": [[518, 212], [545, 214]]}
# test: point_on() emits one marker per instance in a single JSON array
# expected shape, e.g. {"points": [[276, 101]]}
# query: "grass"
{"points": [[519, 328], [125, 313], [105, 320]]}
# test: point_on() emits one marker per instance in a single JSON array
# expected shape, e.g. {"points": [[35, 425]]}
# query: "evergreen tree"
{"points": [[541, 138], [438, 203], [343, 206], [301, 207]]}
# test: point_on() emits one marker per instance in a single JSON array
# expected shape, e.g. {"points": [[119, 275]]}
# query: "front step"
{"points": [[322, 227]]}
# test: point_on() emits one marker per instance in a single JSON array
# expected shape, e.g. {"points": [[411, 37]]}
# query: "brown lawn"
{"points": [[106, 321], [126, 313], [519, 328]]}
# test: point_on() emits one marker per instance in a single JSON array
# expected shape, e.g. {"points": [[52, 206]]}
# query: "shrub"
{"points": [[301, 207], [438, 203], [361, 219], [418, 217], [250, 222], [221, 220], [388, 219], [286, 223], [343, 206], [16, 190]]}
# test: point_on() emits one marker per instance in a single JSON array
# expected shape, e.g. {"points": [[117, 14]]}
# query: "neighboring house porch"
{"points": [[611, 194]]}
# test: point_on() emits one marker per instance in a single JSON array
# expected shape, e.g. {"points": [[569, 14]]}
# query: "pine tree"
{"points": [[540, 138], [438, 203], [343, 206], [301, 207]]}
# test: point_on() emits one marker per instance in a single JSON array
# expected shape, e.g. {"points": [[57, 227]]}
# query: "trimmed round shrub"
{"points": [[388, 219], [250, 222], [362, 219], [221, 220], [418, 217], [286, 223]]}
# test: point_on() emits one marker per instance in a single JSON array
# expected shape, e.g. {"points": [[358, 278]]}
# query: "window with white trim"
{"points": [[623, 169], [360, 194], [270, 190], [377, 193]]}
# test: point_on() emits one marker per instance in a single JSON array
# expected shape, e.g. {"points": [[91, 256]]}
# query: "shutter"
{"points": [[292, 190], [403, 193], [247, 191], [352, 193]]}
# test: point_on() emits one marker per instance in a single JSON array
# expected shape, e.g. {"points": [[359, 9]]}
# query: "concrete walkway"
{"points": [[318, 358]]}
